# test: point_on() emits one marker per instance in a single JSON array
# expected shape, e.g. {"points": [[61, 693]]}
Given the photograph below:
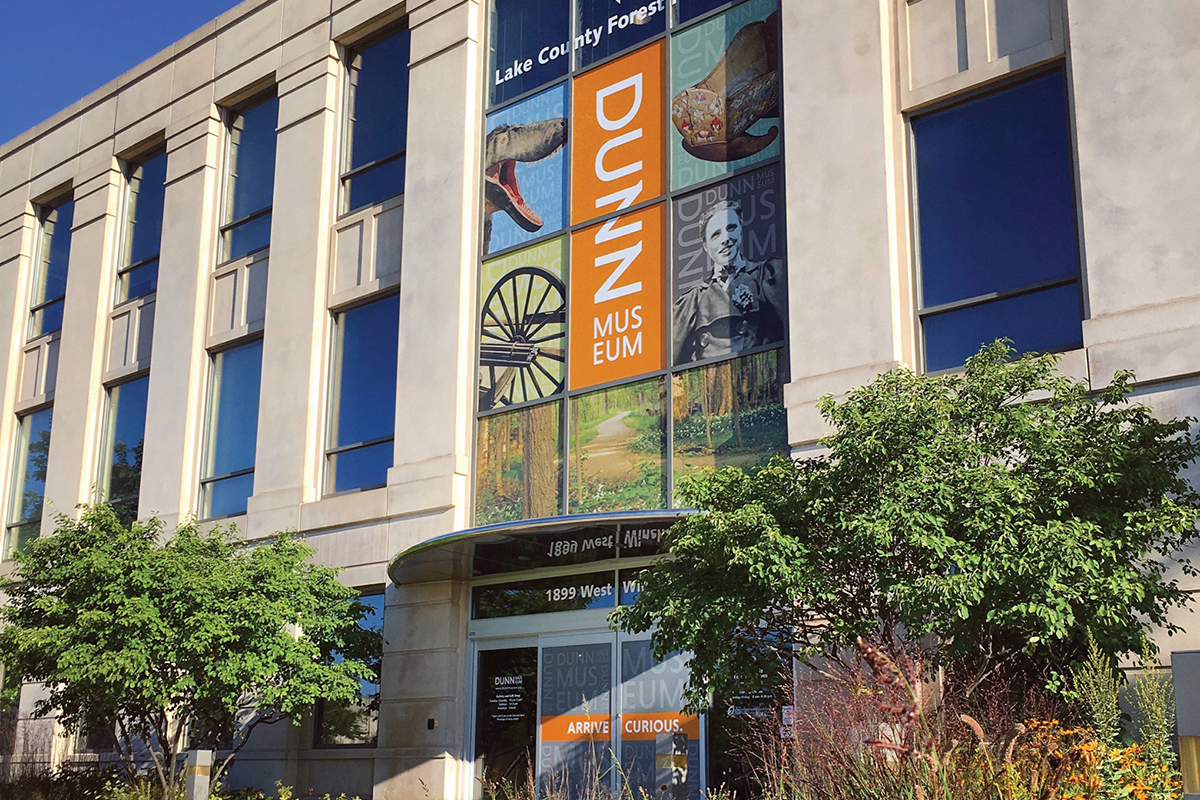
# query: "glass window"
{"points": [[376, 123], [250, 180], [29, 480], [363, 404], [124, 436], [50, 282], [529, 46], [228, 478], [355, 723], [996, 222], [138, 275]]}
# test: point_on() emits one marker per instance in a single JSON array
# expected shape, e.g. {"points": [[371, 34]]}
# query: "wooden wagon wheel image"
{"points": [[523, 333]]}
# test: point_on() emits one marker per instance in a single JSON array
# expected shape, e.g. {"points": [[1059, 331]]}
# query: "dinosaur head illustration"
{"points": [[506, 145]]}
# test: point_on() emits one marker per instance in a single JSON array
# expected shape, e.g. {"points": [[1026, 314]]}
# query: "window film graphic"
{"points": [[530, 46], [576, 722], [725, 93], [729, 414], [653, 302], [617, 119], [660, 745], [610, 26], [522, 327], [524, 179], [518, 465], [729, 283], [617, 324], [617, 443]]}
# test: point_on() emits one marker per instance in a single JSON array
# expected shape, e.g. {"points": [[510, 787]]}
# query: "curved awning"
{"points": [[531, 544]]}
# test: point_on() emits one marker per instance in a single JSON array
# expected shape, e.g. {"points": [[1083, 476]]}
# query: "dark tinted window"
{"points": [[356, 723], [365, 395], [609, 28], [996, 192], [232, 430], [126, 435], [377, 128], [251, 160], [143, 217], [50, 286], [29, 479]]}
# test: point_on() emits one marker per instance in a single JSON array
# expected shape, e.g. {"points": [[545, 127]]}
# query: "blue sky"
{"points": [[53, 52]]}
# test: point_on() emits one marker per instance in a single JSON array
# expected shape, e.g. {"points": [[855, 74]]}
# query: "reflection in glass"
{"points": [[50, 285], [232, 431], [143, 229], [29, 479], [124, 438], [356, 723], [377, 122], [518, 469], [996, 187], [1048, 320], [364, 396], [729, 414], [619, 27], [250, 180], [544, 595], [618, 449]]}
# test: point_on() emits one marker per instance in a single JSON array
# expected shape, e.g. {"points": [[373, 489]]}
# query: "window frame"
{"points": [[922, 312], [20, 460], [334, 397], [205, 482], [351, 53], [40, 275], [225, 227], [104, 484], [128, 167]]}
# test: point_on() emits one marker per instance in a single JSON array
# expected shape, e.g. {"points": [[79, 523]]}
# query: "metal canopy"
{"points": [[514, 546]]}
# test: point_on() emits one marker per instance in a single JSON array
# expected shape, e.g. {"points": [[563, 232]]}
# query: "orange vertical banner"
{"points": [[617, 140], [616, 319]]}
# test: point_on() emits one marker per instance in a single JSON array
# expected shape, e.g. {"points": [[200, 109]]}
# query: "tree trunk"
{"points": [[540, 496]]}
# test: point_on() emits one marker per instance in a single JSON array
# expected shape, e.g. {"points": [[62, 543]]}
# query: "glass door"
{"points": [[575, 727], [505, 719]]}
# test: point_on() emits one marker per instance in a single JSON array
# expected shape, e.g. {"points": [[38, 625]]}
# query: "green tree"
{"points": [[994, 515], [155, 634]]}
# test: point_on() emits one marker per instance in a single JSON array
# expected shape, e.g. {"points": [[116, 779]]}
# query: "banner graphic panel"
{"points": [[729, 282], [610, 26], [725, 93], [530, 46], [522, 329], [576, 718], [617, 115], [617, 321], [524, 179], [518, 469], [660, 745]]}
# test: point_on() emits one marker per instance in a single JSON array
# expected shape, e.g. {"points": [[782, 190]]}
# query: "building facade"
{"points": [[457, 289]]}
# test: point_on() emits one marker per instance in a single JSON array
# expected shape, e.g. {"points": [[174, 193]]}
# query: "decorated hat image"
{"points": [[713, 116]]}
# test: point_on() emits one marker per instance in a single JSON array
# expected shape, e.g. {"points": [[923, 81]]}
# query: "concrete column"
{"points": [[847, 288], [79, 398], [424, 663], [290, 431], [178, 371], [1134, 90], [17, 225]]}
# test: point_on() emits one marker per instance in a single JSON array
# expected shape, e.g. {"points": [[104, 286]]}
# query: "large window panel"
{"points": [[355, 724], [377, 122], [363, 404], [50, 280], [996, 218], [519, 471], [125, 434], [231, 443], [138, 275], [29, 480], [729, 414], [250, 180], [618, 449]]}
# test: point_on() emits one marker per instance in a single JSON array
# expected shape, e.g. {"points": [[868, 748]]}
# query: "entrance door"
{"points": [[597, 698]]}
